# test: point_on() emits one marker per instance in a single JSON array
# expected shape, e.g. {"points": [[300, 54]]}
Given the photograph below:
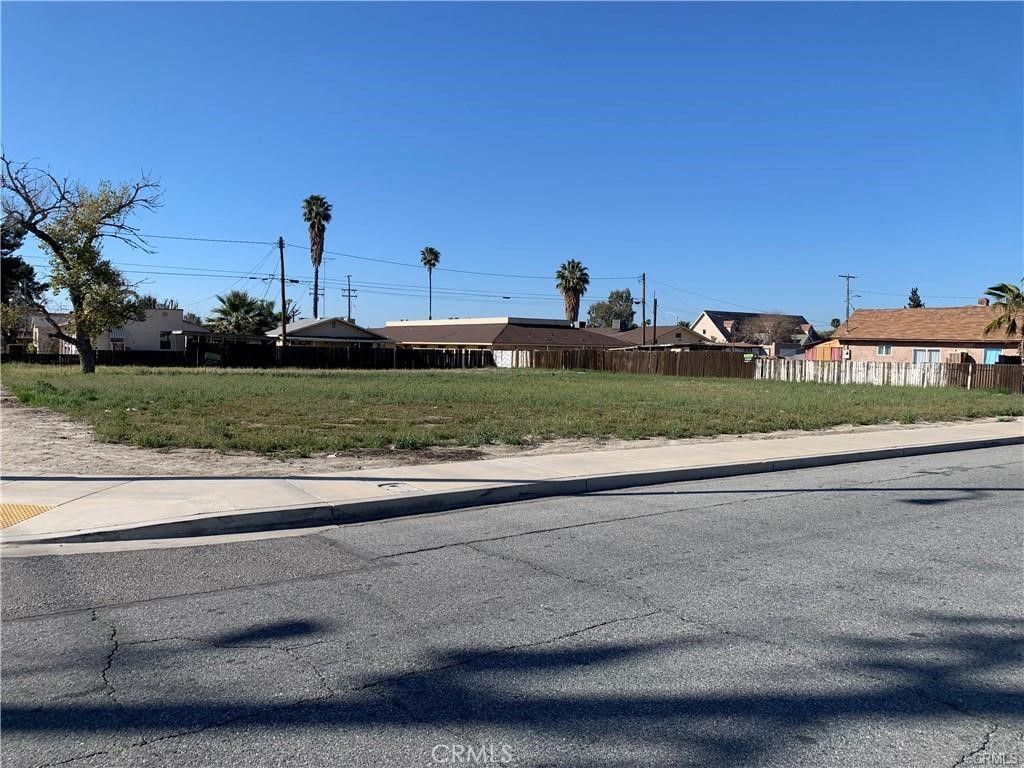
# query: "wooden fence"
{"points": [[666, 362], [228, 355], [970, 376]]}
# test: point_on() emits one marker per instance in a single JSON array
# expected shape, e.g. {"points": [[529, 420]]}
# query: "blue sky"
{"points": [[743, 155]]}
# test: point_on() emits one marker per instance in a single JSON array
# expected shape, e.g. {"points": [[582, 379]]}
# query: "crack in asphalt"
{"points": [[376, 688], [108, 686], [379, 687], [585, 524], [657, 606], [367, 567], [375, 562], [624, 518], [290, 650], [503, 649], [984, 745], [73, 759]]}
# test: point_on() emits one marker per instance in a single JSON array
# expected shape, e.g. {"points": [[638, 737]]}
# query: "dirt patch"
{"points": [[38, 441]]}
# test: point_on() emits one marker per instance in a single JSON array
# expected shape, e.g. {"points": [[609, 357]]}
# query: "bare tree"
{"points": [[766, 329], [71, 222]]}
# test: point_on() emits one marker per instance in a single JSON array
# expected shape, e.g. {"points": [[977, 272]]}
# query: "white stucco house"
{"points": [[162, 330]]}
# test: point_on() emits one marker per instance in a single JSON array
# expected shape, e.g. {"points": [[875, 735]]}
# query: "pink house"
{"points": [[924, 335]]}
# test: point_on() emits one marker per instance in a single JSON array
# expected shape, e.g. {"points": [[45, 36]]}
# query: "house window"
{"points": [[992, 355], [165, 339], [926, 355], [884, 350]]}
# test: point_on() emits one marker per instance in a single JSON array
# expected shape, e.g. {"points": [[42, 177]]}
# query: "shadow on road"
{"points": [[581, 692]]}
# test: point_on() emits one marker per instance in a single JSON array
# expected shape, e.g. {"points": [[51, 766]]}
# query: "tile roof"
{"points": [[955, 324]]}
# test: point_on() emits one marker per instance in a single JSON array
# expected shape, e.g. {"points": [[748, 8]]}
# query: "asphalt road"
{"points": [[860, 615]]}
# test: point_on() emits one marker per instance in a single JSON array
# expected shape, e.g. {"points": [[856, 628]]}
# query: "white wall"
{"points": [[511, 358], [141, 335]]}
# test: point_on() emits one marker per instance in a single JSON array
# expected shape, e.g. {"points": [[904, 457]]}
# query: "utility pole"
{"points": [[643, 308], [284, 309], [848, 278], [654, 337], [350, 294]]}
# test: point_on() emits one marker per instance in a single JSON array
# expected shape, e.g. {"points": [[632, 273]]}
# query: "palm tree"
{"points": [[1009, 301], [430, 257], [573, 282], [316, 212], [241, 313]]}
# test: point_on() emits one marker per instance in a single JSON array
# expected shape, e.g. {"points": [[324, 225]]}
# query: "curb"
{"points": [[306, 516]]}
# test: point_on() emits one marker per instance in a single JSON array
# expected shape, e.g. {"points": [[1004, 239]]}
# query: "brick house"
{"points": [[924, 335]]}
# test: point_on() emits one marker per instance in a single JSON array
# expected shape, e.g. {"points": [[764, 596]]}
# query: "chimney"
{"points": [[982, 302]]}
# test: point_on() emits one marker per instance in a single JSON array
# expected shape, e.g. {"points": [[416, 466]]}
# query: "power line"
{"points": [[448, 269], [208, 239], [923, 295], [705, 296], [377, 260]]}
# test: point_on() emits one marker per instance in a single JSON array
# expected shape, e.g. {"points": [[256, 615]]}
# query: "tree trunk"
{"points": [[86, 354], [430, 294], [316, 292], [572, 310]]}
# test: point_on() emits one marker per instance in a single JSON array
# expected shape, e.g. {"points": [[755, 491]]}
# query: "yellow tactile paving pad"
{"points": [[15, 513]]}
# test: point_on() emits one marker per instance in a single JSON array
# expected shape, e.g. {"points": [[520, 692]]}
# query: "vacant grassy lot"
{"points": [[304, 412]]}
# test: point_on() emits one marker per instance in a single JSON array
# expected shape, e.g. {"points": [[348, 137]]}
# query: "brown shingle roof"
{"points": [[533, 336], [954, 324], [500, 335], [666, 335], [482, 333]]}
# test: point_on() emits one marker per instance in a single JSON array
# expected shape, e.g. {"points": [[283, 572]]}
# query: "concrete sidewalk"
{"points": [[83, 509]]}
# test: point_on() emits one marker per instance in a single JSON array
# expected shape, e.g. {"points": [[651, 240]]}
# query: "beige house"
{"points": [[722, 326], [331, 332], [924, 335], [160, 331], [36, 332]]}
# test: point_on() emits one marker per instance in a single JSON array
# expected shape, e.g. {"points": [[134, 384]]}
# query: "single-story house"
{"points": [[667, 335], [495, 333], [755, 327], [925, 335], [331, 332], [35, 331], [161, 330], [830, 349]]}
